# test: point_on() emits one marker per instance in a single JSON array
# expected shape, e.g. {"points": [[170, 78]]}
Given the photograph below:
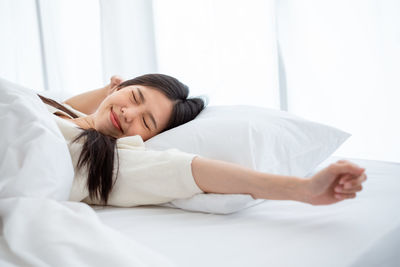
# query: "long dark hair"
{"points": [[98, 150]]}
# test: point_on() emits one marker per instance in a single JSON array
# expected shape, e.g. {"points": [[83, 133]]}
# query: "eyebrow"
{"points": [[144, 101]]}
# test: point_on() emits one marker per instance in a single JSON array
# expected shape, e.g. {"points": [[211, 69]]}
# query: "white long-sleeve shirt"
{"points": [[145, 176]]}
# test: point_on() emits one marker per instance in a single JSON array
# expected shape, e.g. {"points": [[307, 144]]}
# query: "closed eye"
{"points": [[146, 124], [133, 94]]}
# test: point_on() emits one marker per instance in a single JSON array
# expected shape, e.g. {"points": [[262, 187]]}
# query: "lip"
{"points": [[115, 121]]}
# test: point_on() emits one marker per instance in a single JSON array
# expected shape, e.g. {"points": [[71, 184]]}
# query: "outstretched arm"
{"points": [[88, 102], [214, 176]]}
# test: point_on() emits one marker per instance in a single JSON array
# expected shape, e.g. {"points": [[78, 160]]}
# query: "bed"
{"points": [[40, 227], [360, 232]]}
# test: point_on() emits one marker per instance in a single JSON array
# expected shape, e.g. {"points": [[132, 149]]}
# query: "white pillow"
{"points": [[34, 157], [262, 139], [215, 203]]}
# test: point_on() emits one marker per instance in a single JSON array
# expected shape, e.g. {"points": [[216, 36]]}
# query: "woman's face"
{"points": [[133, 110]]}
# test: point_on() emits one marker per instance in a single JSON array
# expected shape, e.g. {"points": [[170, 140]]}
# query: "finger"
{"points": [[345, 196], [347, 167], [347, 178], [116, 80], [344, 178], [340, 189], [355, 181]]}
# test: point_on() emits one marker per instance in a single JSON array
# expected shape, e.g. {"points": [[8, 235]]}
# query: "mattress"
{"points": [[364, 231]]}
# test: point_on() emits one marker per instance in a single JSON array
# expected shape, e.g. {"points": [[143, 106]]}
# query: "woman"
{"points": [[146, 106]]}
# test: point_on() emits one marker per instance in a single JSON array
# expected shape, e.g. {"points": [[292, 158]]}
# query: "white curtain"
{"points": [[72, 45], [128, 46], [225, 49], [335, 62], [20, 57], [51, 45], [342, 60]]}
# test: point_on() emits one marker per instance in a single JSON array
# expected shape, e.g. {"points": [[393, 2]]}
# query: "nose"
{"points": [[130, 113]]}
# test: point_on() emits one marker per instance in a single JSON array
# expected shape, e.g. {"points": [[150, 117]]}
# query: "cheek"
{"points": [[102, 117], [99, 123], [133, 129]]}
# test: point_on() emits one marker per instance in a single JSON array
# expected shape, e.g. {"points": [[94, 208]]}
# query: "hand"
{"points": [[339, 181], [115, 81]]}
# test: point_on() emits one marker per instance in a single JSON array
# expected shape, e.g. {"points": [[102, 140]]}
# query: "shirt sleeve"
{"points": [[151, 177]]}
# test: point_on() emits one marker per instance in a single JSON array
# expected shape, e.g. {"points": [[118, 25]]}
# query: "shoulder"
{"points": [[68, 129], [131, 142], [61, 109], [77, 112]]}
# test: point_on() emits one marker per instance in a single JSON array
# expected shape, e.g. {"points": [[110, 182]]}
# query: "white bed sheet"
{"points": [[360, 232]]}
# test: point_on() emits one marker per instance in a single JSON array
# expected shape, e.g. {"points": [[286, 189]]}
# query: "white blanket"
{"points": [[45, 232], [38, 227]]}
